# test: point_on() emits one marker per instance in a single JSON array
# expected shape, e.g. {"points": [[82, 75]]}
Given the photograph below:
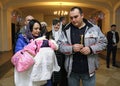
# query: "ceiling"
{"points": [[88, 6], [48, 10], [35, 6]]}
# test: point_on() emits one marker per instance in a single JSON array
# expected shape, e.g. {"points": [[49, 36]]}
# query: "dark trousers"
{"points": [[113, 50], [62, 79]]}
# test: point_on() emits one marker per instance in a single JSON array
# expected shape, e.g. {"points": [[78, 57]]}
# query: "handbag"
{"points": [[23, 60]]}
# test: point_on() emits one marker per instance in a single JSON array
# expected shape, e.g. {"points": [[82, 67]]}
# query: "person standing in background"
{"points": [[64, 80], [81, 41], [22, 30], [26, 22], [44, 28], [63, 21], [58, 78], [113, 39], [56, 30]]}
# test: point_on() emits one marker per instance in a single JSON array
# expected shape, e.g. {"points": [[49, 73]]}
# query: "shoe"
{"points": [[108, 66], [115, 65]]}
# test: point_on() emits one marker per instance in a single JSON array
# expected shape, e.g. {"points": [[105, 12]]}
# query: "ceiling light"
{"points": [[61, 12]]}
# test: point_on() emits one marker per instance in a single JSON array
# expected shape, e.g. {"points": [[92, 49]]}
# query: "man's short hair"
{"points": [[80, 10], [62, 18], [113, 25]]}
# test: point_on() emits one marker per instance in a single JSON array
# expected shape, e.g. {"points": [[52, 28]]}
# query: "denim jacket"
{"points": [[93, 38]]}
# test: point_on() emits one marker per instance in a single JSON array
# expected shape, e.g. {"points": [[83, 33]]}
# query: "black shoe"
{"points": [[108, 66], [115, 65]]}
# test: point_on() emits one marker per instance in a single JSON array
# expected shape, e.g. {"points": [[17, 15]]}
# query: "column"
{"points": [[5, 27]]}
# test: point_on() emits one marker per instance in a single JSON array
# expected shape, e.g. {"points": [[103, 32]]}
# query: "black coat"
{"points": [[56, 77], [110, 37]]}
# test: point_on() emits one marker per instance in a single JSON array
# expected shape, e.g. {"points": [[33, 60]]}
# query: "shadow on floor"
{"points": [[103, 56]]}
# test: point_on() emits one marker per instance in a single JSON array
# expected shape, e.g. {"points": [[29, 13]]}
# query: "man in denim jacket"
{"points": [[81, 41]]}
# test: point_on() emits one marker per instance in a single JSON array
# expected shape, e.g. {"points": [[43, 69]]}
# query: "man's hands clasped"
{"points": [[80, 48]]}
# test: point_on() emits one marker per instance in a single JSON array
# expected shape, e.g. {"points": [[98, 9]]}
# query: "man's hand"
{"points": [[85, 50], [77, 47]]}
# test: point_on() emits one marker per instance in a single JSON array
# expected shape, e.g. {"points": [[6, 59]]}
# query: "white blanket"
{"points": [[41, 71], [45, 64]]}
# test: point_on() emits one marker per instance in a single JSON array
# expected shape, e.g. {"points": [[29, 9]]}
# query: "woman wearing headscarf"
{"points": [[32, 32], [57, 77]]}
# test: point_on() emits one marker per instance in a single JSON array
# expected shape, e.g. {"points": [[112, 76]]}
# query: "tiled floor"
{"points": [[104, 76]]}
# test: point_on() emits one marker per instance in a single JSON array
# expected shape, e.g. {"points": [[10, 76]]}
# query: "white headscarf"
{"points": [[56, 34]]}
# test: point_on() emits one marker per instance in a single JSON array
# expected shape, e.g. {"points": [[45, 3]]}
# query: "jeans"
{"points": [[74, 79]]}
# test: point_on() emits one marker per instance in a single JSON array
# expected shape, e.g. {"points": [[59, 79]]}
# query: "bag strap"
{"points": [[30, 53], [36, 50]]}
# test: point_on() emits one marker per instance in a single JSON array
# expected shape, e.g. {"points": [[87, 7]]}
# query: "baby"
{"points": [[38, 59], [22, 59]]}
